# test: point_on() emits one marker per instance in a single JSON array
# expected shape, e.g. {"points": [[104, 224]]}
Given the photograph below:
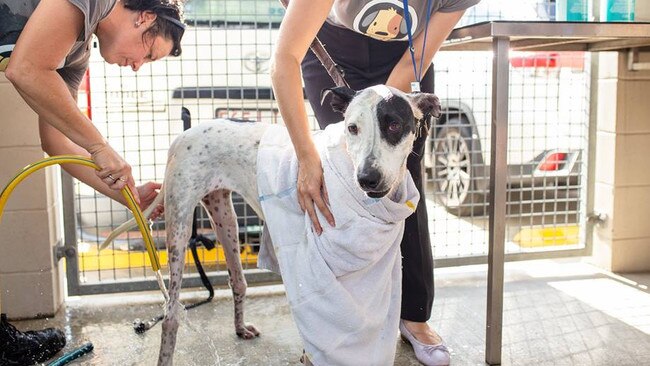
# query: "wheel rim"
{"points": [[453, 169]]}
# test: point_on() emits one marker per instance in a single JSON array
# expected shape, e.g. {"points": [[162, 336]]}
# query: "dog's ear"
{"points": [[341, 97], [428, 104]]}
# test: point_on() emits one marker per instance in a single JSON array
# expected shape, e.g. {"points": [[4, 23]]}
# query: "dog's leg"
{"points": [[178, 225], [224, 221]]}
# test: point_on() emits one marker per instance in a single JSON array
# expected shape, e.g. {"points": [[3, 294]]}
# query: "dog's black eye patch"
{"points": [[395, 118]]}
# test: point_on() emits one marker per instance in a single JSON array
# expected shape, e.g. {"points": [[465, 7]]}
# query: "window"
{"points": [[247, 13]]}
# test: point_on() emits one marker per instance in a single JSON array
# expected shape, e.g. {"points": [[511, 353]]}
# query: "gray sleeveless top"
{"points": [[384, 19], [14, 15]]}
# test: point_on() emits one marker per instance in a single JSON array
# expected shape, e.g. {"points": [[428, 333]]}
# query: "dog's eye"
{"points": [[353, 129], [394, 127]]}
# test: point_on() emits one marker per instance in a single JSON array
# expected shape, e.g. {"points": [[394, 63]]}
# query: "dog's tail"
{"points": [[132, 223]]}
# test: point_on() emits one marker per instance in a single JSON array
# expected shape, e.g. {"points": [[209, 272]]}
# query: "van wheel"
{"points": [[454, 170]]}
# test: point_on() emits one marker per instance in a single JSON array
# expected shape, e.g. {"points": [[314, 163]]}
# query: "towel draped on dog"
{"points": [[344, 286]]}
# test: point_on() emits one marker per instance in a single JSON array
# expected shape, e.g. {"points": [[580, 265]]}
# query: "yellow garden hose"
{"points": [[126, 192]]}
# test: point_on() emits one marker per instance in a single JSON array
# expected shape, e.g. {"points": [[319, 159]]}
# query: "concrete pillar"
{"points": [[642, 11], [622, 188], [31, 280]]}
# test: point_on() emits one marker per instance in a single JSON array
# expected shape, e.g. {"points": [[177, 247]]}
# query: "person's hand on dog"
{"points": [[312, 191], [148, 193], [113, 170]]}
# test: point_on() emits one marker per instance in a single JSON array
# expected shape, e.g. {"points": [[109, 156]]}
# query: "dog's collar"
{"points": [[418, 128], [422, 125]]}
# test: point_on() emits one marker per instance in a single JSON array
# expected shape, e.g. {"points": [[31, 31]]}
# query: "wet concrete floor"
{"points": [[556, 312]]}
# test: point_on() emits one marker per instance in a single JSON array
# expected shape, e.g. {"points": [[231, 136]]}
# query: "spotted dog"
{"points": [[210, 161]]}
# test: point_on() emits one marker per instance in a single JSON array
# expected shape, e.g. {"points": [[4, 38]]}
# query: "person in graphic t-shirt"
{"points": [[44, 51], [368, 39]]}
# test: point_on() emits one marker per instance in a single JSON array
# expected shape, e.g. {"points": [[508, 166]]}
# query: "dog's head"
{"points": [[380, 127]]}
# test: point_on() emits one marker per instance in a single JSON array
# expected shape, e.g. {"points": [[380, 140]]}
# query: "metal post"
{"points": [[70, 233], [498, 181], [588, 225]]}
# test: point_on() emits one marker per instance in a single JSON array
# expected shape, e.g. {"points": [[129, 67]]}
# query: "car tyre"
{"points": [[457, 169]]}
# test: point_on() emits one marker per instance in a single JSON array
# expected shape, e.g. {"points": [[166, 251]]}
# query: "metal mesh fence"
{"points": [[547, 145], [223, 72]]}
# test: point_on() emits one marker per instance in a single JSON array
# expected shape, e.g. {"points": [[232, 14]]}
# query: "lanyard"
{"points": [[415, 86]]}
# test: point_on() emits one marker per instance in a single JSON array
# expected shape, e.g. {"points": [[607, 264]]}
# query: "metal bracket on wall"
{"points": [[597, 218], [61, 251], [633, 63]]}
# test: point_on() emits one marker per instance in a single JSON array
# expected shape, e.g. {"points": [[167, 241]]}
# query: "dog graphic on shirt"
{"points": [[383, 20]]}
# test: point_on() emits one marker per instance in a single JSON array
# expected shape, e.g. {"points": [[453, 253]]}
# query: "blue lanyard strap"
{"points": [[407, 17]]}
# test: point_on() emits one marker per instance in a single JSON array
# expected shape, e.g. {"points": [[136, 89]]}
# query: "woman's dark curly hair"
{"points": [[168, 23]]}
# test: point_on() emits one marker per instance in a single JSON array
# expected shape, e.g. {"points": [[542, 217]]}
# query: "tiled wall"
{"points": [[623, 165], [31, 282]]}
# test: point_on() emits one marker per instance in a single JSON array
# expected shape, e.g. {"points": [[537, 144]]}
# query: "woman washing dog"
{"points": [[369, 40], [44, 51]]}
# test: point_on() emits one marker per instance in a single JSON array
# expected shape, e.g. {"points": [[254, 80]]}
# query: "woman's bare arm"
{"points": [[54, 142], [299, 27], [32, 70]]}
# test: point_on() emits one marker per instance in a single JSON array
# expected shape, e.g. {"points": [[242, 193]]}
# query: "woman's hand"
{"points": [[148, 193], [312, 191], [113, 170]]}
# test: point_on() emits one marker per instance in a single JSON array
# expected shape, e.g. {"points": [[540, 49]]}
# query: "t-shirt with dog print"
{"points": [[14, 15], [384, 19]]}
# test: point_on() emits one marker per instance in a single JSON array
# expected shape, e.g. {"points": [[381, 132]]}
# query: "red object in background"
{"points": [[536, 59], [83, 94], [574, 60], [552, 162]]}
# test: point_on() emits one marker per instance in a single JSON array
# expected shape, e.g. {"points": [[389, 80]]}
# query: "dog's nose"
{"points": [[369, 179]]}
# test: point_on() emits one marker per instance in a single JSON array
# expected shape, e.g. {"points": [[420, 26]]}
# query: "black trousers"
{"points": [[367, 62]]}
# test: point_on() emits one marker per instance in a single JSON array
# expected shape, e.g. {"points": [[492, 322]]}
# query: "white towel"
{"points": [[344, 286]]}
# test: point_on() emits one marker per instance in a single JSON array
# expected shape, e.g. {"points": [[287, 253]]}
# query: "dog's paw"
{"points": [[248, 331]]}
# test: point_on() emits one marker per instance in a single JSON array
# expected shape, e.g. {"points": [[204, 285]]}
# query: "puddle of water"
{"points": [[115, 343]]}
